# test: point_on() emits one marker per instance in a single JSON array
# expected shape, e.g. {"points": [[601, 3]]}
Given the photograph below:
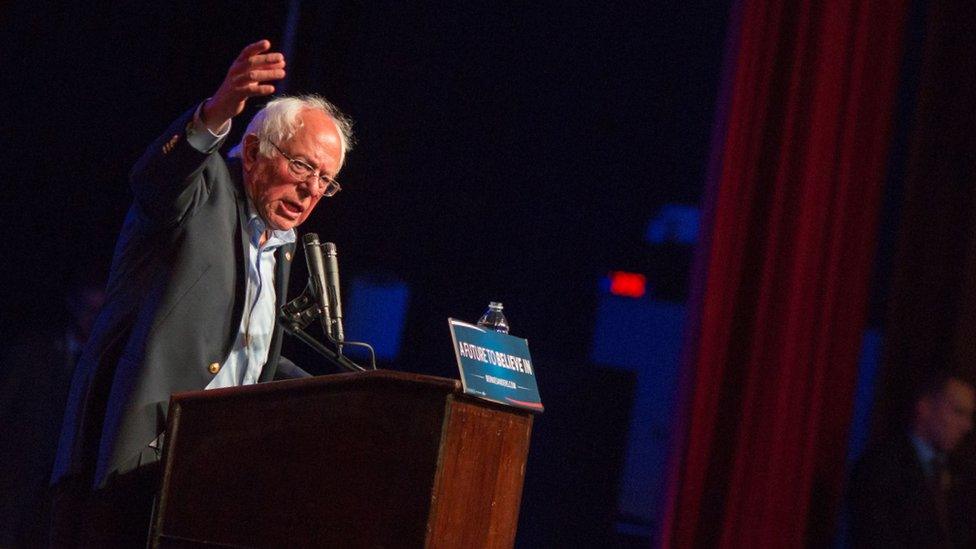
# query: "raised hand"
{"points": [[247, 77]]}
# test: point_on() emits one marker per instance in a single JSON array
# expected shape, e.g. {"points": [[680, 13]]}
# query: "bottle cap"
{"points": [[494, 305]]}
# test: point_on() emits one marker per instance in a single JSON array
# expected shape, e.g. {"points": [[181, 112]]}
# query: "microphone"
{"points": [[316, 274], [332, 287]]}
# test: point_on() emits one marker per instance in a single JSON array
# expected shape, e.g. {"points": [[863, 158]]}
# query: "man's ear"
{"points": [[250, 152]]}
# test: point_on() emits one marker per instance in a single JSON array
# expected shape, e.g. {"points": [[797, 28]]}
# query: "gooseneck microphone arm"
{"points": [[297, 314], [331, 356], [337, 334], [332, 291], [319, 299], [316, 276]]}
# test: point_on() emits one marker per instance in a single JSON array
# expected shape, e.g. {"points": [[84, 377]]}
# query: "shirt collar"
{"points": [[256, 226]]}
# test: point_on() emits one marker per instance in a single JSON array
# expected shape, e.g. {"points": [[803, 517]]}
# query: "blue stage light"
{"points": [[375, 313]]}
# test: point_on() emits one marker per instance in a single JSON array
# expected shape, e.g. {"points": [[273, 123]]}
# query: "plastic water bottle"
{"points": [[494, 318]]}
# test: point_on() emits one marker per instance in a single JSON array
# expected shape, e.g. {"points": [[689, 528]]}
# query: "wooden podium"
{"points": [[374, 459]]}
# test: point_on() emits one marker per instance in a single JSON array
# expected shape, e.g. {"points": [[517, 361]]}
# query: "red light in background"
{"points": [[627, 284]]}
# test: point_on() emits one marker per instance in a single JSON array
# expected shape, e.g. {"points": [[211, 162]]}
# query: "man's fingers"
{"points": [[254, 89], [246, 68], [266, 59], [265, 75], [255, 48], [258, 76]]}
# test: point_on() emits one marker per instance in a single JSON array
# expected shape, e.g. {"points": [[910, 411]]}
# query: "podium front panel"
{"points": [[376, 459]]}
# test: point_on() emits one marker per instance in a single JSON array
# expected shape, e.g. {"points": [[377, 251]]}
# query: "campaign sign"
{"points": [[495, 366]]}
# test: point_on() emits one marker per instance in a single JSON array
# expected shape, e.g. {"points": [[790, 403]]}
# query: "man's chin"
{"points": [[282, 226], [279, 222]]}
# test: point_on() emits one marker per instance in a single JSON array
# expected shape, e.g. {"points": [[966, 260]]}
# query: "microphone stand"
{"points": [[297, 314], [331, 356]]}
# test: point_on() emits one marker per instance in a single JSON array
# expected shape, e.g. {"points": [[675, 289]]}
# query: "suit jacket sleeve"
{"points": [[169, 179]]}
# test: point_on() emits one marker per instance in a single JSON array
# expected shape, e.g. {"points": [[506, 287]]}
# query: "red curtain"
{"points": [[783, 282]]}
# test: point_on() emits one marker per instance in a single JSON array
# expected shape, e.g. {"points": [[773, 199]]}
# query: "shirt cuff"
{"points": [[200, 137]]}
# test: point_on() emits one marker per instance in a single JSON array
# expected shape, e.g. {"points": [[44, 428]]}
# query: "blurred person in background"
{"points": [[35, 372], [903, 491]]}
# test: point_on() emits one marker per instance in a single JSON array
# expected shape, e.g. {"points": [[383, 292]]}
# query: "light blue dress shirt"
{"points": [[250, 351]]}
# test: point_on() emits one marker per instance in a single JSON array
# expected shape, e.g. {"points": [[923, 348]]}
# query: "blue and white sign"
{"points": [[495, 366]]}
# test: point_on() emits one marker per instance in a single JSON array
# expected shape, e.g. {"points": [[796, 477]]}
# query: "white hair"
{"points": [[278, 121]]}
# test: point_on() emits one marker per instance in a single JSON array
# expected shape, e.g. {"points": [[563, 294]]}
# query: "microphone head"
{"points": [[329, 248], [311, 239]]}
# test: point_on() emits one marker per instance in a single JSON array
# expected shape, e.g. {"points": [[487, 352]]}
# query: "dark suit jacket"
{"points": [[890, 502], [174, 302]]}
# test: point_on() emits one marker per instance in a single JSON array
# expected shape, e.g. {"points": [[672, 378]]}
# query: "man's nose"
{"points": [[311, 186]]}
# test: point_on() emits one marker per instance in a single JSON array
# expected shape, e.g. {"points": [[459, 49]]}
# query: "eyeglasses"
{"points": [[303, 171]]}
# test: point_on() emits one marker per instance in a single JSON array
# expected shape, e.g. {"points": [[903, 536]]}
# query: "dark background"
{"points": [[505, 152]]}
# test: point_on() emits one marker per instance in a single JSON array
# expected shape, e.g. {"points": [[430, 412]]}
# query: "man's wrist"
{"points": [[200, 136], [218, 126]]}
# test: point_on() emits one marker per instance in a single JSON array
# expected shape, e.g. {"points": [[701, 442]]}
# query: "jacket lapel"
{"points": [[283, 257], [240, 253]]}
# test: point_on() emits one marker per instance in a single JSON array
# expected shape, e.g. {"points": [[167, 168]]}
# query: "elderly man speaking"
{"points": [[200, 268]]}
